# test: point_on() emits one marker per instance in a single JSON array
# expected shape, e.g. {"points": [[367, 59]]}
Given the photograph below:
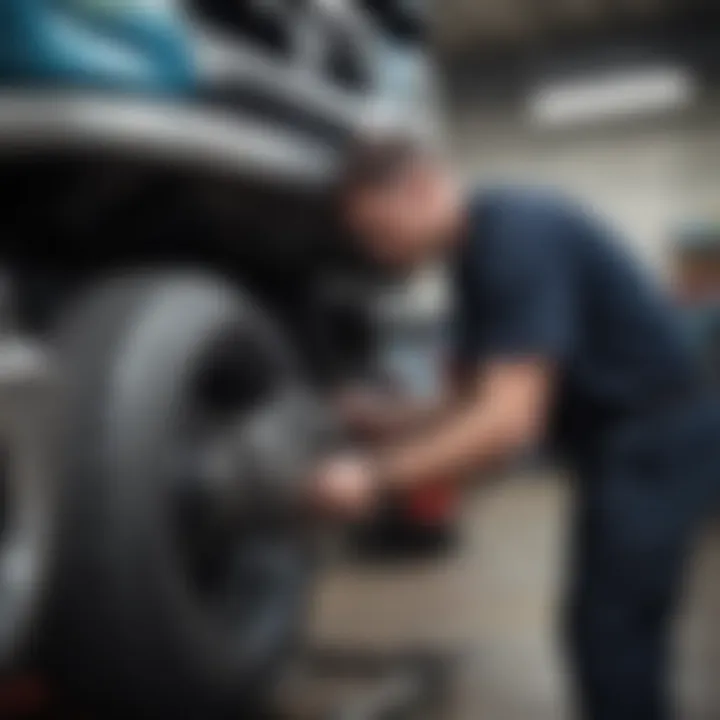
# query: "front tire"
{"points": [[136, 627]]}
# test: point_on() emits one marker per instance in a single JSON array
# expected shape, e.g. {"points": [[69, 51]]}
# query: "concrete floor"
{"points": [[498, 598]]}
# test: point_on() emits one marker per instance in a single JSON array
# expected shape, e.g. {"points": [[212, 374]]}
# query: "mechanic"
{"points": [[559, 336]]}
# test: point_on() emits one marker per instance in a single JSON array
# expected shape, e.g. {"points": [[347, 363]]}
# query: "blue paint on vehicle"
{"points": [[133, 45]]}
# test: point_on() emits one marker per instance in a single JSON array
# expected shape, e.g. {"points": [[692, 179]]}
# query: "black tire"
{"points": [[128, 631]]}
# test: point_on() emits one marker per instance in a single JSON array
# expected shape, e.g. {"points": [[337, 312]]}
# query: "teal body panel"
{"points": [[133, 45]]}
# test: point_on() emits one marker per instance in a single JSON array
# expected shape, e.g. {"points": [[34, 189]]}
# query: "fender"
{"points": [[162, 130]]}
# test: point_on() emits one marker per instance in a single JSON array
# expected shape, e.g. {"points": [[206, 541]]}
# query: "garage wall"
{"points": [[647, 178]]}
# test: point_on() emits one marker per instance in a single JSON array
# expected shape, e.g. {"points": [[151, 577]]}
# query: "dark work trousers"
{"points": [[646, 486]]}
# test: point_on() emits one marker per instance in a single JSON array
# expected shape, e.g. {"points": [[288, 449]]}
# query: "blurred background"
{"points": [[614, 101], [237, 109]]}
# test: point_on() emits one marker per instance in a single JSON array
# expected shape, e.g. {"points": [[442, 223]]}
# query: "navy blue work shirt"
{"points": [[540, 277]]}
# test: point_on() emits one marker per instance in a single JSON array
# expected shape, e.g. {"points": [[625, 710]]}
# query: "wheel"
{"points": [[174, 593]]}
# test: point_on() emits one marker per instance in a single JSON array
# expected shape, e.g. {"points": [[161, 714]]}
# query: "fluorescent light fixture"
{"points": [[612, 95]]}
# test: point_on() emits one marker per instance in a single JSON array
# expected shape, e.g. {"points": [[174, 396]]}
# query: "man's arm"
{"points": [[519, 320], [504, 412]]}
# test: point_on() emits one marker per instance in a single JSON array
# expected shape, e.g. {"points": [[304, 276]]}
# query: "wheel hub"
{"points": [[244, 495], [260, 463]]}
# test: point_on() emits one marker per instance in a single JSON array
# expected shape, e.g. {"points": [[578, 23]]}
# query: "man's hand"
{"points": [[346, 486]]}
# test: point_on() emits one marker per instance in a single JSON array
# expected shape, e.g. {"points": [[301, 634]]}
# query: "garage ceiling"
{"points": [[495, 50], [460, 24]]}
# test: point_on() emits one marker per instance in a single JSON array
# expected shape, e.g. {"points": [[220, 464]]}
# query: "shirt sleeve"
{"points": [[516, 299]]}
